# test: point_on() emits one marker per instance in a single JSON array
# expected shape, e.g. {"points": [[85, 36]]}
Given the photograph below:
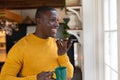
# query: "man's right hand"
{"points": [[45, 76]]}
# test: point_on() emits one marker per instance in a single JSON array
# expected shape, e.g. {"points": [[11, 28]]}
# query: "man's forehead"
{"points": [[50, 13]]}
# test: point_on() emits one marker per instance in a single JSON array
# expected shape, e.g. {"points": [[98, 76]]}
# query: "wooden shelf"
{"points": [[73, 2], [2, 57], [2, 34], [2, 51], [3, 47], [7, 14], [75, 29], [27, 4]]}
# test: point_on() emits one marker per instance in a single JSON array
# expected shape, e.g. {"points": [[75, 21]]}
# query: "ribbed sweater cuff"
{"points": [[34, 77], [63, 59]]}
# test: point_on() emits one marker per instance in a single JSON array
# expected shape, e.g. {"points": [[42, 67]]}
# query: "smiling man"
{"points": [[36, 55]]}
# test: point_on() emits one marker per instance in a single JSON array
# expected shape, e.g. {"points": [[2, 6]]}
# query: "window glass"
{"points": [[110, 40]]}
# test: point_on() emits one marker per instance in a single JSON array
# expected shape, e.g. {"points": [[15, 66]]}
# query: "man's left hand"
{"points": [[63, 46]]}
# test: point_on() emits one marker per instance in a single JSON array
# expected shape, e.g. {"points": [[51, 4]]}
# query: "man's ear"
{"points": [[38, 20]]}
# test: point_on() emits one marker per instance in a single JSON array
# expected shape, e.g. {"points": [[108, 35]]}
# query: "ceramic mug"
{"points": [[61, 73]]}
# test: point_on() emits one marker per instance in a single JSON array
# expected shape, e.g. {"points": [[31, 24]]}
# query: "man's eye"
{"points": [[52, 19]]}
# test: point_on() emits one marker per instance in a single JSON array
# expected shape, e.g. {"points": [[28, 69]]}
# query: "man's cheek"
{"points": [[51, 23]]}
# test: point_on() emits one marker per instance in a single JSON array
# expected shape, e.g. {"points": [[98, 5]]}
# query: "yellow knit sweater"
{"points": [[32, 55]]}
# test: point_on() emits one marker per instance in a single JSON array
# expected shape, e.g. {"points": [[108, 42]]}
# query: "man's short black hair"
{"points": [[43, 9]]}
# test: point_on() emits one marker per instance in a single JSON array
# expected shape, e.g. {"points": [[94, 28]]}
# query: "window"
{"points": [[110, 40]]}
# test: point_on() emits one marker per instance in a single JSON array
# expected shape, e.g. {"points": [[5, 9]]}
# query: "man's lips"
{"points": [[54, 31]]}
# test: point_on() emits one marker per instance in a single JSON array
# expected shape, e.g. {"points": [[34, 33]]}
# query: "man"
{"points": [[35, 56]]}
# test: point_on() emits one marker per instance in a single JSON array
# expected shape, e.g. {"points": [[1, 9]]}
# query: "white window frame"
{"points": [[118, 24]]}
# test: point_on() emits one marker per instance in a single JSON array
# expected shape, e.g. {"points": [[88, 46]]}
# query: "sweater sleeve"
{"points": [[8, 77], [13, 65], [9, 72], [64, 61]]}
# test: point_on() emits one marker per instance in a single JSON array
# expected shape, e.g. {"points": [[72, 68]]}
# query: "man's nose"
{"points": [[56, 24]]}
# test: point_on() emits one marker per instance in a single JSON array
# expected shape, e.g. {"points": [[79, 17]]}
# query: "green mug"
{"points": [[61, 73]]}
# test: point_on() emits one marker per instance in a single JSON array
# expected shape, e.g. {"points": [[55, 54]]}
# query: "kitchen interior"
{"points": [[17, 20]]}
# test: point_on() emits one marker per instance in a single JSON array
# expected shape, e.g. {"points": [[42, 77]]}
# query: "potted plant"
{"points": [[65, 27]]}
